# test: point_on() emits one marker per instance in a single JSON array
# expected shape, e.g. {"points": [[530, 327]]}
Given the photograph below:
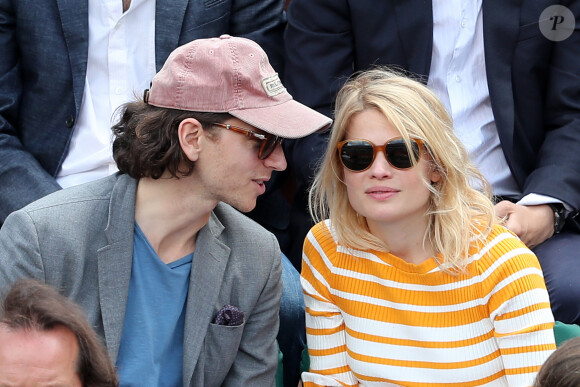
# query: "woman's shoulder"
{"points": [[321, 239], [322, 230], [500, 247], [501, 235]]}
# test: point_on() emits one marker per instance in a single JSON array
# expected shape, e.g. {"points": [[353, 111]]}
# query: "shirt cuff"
{"points": [[536, 199]]}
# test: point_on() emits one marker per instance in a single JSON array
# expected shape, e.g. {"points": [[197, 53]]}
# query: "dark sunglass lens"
{"points": [[398, 155], [268, 146], [357, 155]]}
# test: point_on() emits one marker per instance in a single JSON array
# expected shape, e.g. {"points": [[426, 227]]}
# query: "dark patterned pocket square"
{"points": [[229, 315]]}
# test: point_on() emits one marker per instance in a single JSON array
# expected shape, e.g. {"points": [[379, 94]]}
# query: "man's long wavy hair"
{"points": [[146, 142], [458, 214]]}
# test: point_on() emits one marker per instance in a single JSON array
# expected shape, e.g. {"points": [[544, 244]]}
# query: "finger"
{"points": [[503, 208], [514, 225]]}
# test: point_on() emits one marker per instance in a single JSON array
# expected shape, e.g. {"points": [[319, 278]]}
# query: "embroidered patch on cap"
{"points": [[273, 85]]}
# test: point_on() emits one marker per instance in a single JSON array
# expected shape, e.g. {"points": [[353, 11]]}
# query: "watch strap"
{"points": [[559, 216]]}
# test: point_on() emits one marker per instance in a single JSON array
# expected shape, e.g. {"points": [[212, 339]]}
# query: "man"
{"points": [[46, 339], [66, 66], [512, 92], [183, 288]]}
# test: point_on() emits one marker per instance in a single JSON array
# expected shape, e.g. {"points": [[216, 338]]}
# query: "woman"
{"points": [[408, 277]]}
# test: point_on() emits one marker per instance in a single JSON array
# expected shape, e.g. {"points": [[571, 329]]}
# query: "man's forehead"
{"points": [[38, 358]]}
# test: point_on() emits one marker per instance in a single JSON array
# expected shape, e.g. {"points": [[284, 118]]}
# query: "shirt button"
{"points": [[70, 121], [457, 78], [118, 90], [463, 23]]}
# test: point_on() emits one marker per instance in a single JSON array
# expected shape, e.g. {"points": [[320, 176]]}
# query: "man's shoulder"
{"points": [[87, 201], [97, 190]]}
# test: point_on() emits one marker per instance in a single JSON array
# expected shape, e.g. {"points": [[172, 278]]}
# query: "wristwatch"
{"points": [[559, 216]]}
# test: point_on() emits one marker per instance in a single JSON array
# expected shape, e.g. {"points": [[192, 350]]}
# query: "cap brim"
{"points": [[289, 119]]}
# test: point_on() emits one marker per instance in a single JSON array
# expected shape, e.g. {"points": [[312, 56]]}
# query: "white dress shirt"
{"points": [[121, 64], [458, 77]]}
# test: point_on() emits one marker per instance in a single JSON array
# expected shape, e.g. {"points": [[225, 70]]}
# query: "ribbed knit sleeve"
{"points": [[324, 320], [374, 319]]}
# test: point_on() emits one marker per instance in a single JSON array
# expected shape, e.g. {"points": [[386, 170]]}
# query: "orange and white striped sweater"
{"points": [[374, 319]]}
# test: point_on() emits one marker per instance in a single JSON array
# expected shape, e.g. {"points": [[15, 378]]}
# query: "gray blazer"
{"points": [[80, 240]]}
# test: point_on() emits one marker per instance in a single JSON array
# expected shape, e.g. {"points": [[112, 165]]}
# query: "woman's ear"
{"points": [[435, 175], [190, 133]]}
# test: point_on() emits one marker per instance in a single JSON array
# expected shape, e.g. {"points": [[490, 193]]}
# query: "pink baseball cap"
{"points": [[232, 75]]}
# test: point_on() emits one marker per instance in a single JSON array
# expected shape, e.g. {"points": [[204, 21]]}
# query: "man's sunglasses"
{"points": [[269, 142], [359, 155]]}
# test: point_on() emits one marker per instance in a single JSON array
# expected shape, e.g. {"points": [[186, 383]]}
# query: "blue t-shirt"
{"points": [[151, 350]]}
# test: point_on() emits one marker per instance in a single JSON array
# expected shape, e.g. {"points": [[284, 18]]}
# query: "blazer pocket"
{"points": [[221, 347]]}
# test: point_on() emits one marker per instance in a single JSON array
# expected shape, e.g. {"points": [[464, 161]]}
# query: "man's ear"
{"points": [[190, 133]]}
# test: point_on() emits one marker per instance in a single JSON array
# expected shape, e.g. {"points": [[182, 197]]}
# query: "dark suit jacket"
{"points": [[80, 240], [534, 83], [43, 59]]}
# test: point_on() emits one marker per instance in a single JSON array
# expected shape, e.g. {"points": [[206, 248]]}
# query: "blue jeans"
{"points": [[292, 333]]}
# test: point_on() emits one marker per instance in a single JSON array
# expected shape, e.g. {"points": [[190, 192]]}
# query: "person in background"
{"points": [[408, 277], [562, 369], [184, 288], [67, 66], [46, 339], [510, 79]]}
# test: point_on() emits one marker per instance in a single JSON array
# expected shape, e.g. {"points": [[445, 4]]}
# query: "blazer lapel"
{"points": [[207, 271], [74, 16], [415, 24], [115, 261], [168, 23], [500, 33]]}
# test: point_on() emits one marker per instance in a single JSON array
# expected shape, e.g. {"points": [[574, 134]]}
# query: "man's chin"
{"points": [[244, 207]]}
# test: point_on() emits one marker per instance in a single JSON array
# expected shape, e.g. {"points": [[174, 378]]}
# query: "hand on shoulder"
{"points": [[532, 224]]}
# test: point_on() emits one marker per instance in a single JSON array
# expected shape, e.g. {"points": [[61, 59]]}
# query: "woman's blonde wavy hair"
{"points": [[458, 214]]}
